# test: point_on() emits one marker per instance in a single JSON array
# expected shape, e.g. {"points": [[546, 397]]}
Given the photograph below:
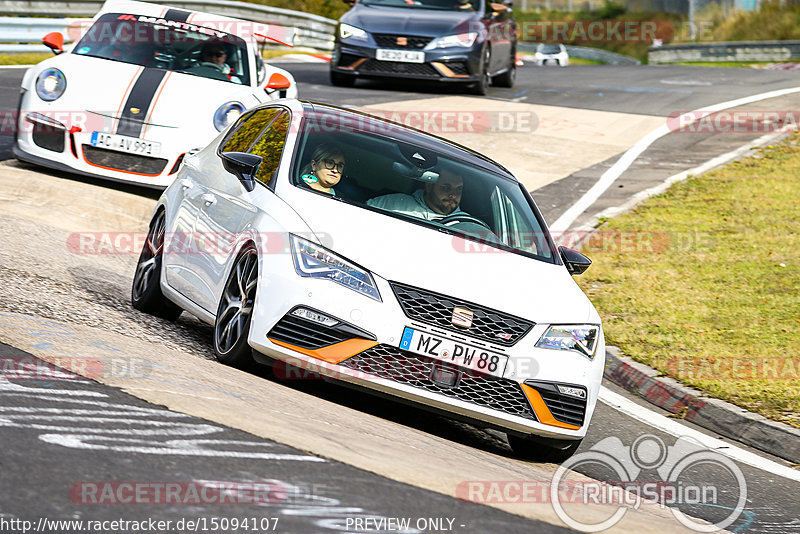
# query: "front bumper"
{"points": [[445, 64], [521, 401]]}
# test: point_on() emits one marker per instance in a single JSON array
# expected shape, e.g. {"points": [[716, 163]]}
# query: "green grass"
{"points": [[725, 64], [703, 284], [24, 58], [582, 61]]}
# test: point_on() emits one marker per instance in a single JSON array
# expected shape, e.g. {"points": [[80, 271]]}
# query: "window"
{"points": [[420, 180], [181, 47], [270, 147], [246, 132]]}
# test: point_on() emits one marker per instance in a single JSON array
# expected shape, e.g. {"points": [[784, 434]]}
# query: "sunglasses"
{"points": [[218, 53], [331, 164]]}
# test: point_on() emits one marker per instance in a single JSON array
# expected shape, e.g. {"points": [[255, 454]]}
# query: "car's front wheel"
{"points": [[507, 78], [146, 292], [342, 80], [540, 450], [235, 311], [481, 87]]}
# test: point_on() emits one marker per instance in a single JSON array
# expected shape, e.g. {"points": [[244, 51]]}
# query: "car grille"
{"points": [[48, 137], [397, 67], [123, 161], [348, 59], [385, 40], [436, 309], [386, 361], [565, 408], [458, 67], [304, 333]]}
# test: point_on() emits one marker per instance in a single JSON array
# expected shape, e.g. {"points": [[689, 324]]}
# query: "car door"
{"points": [[179, 238], [226, 207], [502, 35]]}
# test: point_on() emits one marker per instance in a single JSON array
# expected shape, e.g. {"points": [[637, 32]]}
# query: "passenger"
{"points": [[439, 199], [325, 169]]}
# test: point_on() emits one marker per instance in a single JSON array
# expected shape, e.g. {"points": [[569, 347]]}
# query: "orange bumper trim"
{"points": [[543, 413], [335, 353]]}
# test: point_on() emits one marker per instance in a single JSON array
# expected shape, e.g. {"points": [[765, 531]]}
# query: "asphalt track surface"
{"points": [[37, 474]]}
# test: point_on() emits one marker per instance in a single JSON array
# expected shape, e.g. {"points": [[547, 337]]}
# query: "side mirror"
{"points": [[350, 3], [54, 41], [576, 262], [243, 166], [278, 81]]}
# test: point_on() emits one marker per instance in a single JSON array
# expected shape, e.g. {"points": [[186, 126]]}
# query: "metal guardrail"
{"points": [[586, 52], [311, 31], [731, 51]]}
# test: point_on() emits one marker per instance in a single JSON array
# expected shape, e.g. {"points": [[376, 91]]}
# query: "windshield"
{"points": [[407, 177], [549, 49], [168, 45], [443, 5]]}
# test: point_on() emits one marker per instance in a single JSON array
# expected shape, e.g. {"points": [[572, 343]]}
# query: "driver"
{"points": [[437, 200], [213, 62]]}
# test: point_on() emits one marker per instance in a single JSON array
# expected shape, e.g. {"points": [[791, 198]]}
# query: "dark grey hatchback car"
{"points": [[467, 42]]}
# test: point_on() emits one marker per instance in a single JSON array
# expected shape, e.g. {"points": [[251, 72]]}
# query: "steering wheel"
{"points": [[461, 217]]}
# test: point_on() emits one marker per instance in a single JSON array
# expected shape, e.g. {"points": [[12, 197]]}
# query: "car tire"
{"points": [[538, 450], [342, 80], [146, 292], [235, 311], [481, 87], [508, 78]]}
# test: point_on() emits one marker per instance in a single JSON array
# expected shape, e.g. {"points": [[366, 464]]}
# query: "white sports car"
{"points": [[551, 54], [143, 86], [382, 257]]}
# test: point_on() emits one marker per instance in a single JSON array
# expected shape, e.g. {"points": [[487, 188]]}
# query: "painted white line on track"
{"points": [[609, 177], [726, 448], [15, 66]]}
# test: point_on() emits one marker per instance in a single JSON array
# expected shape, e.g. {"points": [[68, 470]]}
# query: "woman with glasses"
{"points": [[325, 169]]}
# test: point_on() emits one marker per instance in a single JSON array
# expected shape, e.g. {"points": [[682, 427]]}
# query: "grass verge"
{"points": [[24, 58], [725, 64], [701, 282]]}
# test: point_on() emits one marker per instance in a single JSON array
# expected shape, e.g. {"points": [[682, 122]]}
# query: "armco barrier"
{"points": [[730, 51], [311, 31]]}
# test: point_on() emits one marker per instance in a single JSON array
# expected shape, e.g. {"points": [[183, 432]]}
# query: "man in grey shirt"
{"points": [[437, 200]]}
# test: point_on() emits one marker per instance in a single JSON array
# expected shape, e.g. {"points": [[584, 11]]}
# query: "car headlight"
{"points": [[462, 39], [51, 84], [314, 261], [227, 114], [351, 32], [582, 338]]}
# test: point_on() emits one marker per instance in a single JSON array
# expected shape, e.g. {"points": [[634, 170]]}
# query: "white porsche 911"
{"points": [[382, 257], [144, 85]]}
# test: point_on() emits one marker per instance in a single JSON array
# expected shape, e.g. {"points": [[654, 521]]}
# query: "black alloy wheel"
{"points": [[146, 292], [235, 311]]}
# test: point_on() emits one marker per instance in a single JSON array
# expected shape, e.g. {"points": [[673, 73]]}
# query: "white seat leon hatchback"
{"points": [[324, 240]]}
